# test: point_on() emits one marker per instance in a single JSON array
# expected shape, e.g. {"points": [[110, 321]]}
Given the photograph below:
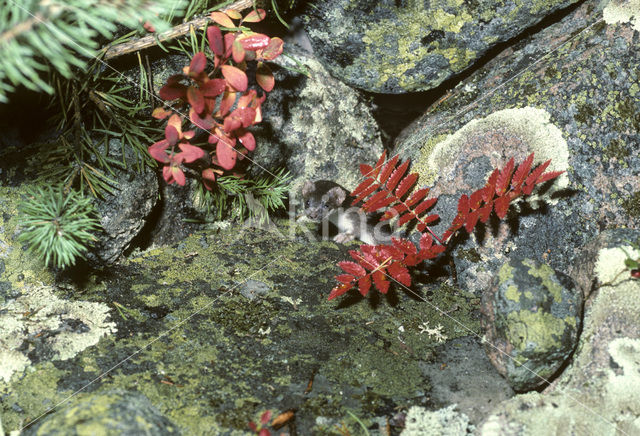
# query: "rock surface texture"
{"points": [[532, 318], [399, 47], [599, 393], [578, 106]]}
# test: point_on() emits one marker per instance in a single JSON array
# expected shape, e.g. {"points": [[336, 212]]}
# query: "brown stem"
{"points": [[175, 32]]}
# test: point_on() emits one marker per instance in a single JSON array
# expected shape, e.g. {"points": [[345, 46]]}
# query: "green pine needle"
{"points": [[57, 226]]}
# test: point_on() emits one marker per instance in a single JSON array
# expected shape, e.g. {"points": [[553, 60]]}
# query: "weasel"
{"points": [[326, 201]]}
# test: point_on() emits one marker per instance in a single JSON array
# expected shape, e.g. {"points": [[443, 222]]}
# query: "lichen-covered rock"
{"points": [[39, 326], [444, 422], [599, 392], [398, 47], [224, 325], [124, 211], [324, 129], [578, 105], [110, 413], [532, 317]]}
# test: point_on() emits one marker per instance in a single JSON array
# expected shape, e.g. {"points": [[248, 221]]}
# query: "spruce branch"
{"points": [[44, 35], [57, 225]]}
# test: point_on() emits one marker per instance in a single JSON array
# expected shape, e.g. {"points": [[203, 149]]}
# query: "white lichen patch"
{"points": [[623, 11], [624, 384], [39, 320], [610, 267], [531, 125]]}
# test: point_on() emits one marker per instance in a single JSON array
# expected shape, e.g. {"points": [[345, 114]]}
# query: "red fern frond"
{"points": [[379, 265]]}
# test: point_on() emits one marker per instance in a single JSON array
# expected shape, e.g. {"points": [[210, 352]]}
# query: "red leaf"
{"points": [[237, 52], [161, 113], [422, 222], [226, 154], [196, 99], [216, 44], [503, 179], [472, 220], [533, 177], [172, 174], [370, 203], [339, 290], [209, 177], [213, 87], [381, 282], [406, 183], [522, 172], [366, 170], [171, 134], [380, 204], [172, 91], [190, 152], [248, 141], [157, 151], [345, 278], [394, 211], [222, 19], [352, 268], [400, 273], [264, 77], [404, 245], [271, 51], [397, 175], [484, 212], [476, 199], [198, 63], [365, 193], [548, 176], [378, 167], [365, 184], [364, 284], [254, 42], [255, 16], [266, 417], [417, 196], [406, 218], [235, 77], [490, 186], [463, 205], [228, 99], [388, 169], [425, 205], [426, 241], [502, 206], [203, 123]]}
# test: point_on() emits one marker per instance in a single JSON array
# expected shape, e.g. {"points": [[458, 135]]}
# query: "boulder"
{"points": [[577, 106], [400, 47], [532, 318]]}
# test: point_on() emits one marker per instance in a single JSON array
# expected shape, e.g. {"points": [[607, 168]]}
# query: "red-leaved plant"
{"points": [[387, 188], [219, 101]]}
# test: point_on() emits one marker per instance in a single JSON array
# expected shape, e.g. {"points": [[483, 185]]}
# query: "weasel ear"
{"points": [[337, 195], [308, 188]]}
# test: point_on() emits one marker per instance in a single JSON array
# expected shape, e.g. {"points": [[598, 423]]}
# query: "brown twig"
{"points": [[177, 31]]}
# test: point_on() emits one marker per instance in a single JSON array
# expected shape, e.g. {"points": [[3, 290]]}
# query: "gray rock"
{"points": [[107, 413], [532, 318], [599, 392], [315, 126], [123, 213], [578, 106], [398, 47]]}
